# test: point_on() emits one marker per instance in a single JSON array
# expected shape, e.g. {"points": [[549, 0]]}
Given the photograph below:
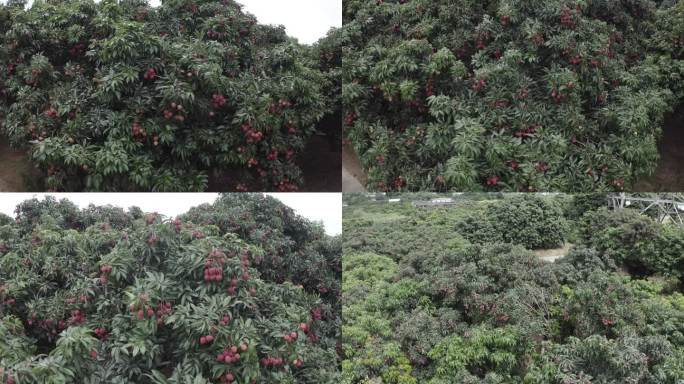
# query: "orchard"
{"points": [[106, 295], [122, 96], [504, 95], [426, 299]]}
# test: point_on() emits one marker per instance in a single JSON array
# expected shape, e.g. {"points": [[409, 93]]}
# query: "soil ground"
{"points": [[551, 255], [669, 176], [14, 166], [353, 177]]}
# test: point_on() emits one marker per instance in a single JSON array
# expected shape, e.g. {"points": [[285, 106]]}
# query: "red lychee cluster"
{"points": [[177, 225], [150, 218], [105, 270], [51, 113], [138, 131], [558, 96], [430, 88], [479, 85], [101, 333], [208, 339], [225, 320], [272, 362], [542, 167], [291, 128], [150, 74], [218, 101], [143, 310], [567, 19], [77, 50], [252, 135], [280, 106], [213, 267], [273, 155], [285, 185], [77, 317], [291, 337], [527, 131], [175, 112], [232, 354], [152, 240], [215, 34], [493, 181], [349, 119]]}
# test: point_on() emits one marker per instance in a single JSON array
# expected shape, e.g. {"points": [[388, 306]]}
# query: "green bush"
{"points": [[539, 95], [124, 96], [636, 241], [526, 220], [141, 298], [424, 306]]}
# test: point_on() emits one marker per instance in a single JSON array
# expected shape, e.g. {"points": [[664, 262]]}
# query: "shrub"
{"points": [[507, 95], [419, 311], [129, 97], [526, 220], [150, 299], [636, 241]]}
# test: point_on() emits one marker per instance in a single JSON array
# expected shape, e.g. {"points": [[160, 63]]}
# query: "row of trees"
{"points": [[239, 291], [124, 96], [501, 95], [423, 304]]}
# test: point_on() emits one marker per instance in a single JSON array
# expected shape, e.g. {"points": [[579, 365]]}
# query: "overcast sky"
{"points": [[307, 20], [325, 207]]}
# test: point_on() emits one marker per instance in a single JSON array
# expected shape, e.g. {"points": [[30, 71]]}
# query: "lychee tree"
{"points": [[124, 96], [159, 300], [509, 95]]}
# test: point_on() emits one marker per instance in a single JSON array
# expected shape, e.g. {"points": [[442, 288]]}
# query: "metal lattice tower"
{"points": [[665, 208]]}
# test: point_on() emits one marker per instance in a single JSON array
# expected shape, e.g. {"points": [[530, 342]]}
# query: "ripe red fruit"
{"points": [[230, 377], [93, 354], [209, 338], [233, 349], [141, 314], [203, 340], [293, 335], [304, 327]]}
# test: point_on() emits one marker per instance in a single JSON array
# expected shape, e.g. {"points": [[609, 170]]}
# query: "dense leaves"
{"points": [[123, 96], [510, 95], [421, 304], [525, 219], [103, 295]]}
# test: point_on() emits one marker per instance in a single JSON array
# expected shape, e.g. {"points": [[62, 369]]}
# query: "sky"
{"points": [[306, 20], [323, 207]]}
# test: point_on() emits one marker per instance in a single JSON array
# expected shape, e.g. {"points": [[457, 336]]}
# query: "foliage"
{"points": [[636, 241], [423, 304], [502, 95], [134, 297], [527, 220], [124, 96]]}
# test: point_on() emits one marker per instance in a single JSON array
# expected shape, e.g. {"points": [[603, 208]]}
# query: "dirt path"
{"points": [[551, 255], [353, 177], [13, 166], [669, 176]]}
